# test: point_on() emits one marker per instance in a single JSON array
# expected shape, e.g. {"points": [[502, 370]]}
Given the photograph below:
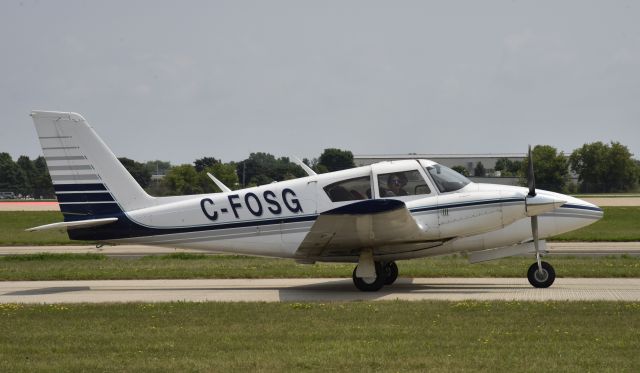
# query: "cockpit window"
{"points": [[405, 183], [446, 179], [349, 190]]}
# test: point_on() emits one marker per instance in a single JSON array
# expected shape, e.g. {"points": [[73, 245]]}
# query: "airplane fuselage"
{"points": [[273, 219]]}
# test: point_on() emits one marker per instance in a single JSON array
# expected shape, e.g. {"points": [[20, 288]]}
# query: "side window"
{"points": [[404, 183], [349, 190]]}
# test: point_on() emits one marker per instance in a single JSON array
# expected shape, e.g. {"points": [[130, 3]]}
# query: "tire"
{"points": [[375, 285], [541, 281], [390, 272]]}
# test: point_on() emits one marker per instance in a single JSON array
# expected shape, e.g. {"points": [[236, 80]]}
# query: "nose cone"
{"points": [[586, 208], [576, 213]]}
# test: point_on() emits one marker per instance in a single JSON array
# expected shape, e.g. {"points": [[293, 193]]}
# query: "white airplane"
{"points": [[372, 215]]}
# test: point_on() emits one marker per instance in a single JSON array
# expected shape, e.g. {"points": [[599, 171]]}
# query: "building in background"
{"points": [[468, 161]]}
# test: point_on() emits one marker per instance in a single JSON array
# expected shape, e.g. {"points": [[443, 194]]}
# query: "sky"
{"points": [[179, 80]]}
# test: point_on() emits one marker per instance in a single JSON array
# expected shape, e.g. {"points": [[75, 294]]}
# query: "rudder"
{"points": [[88, 179]]}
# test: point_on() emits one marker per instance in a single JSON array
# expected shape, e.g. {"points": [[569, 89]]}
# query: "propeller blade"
{"points": [[530, 177]]}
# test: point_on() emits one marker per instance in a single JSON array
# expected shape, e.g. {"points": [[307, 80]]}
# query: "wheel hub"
{"points": [[369, 280], [541, 276]]}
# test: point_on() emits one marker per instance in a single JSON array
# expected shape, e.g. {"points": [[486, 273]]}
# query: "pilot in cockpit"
{"points": [[395, 184]]}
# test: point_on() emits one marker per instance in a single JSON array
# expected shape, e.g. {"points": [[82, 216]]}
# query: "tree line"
{"points": [[600, 168], [258, 169], [30, 178], [25, 177]]}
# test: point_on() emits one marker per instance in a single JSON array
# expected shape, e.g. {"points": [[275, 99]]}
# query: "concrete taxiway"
{"points": [[302, 290], [133, 251]]}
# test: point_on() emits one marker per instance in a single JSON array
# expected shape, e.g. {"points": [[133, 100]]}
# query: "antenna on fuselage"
{"points": [[306, 168], [219, 183]]}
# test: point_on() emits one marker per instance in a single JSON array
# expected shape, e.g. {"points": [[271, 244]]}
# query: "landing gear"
{"points": [[390, 272], [370, 283], [541, 278], [386, 274], [540, 274]]}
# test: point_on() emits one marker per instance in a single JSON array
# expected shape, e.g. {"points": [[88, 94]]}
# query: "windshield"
{"points": [[446, 179]]}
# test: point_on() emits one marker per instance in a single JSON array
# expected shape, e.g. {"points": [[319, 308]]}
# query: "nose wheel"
{"points": [[541, 276]]}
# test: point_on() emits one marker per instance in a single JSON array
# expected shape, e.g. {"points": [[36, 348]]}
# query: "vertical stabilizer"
{"points": [[89, 181]]}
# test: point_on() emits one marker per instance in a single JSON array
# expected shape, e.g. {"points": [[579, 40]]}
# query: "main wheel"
{"points": [[391, 272], [370, 283], [542, 279]]}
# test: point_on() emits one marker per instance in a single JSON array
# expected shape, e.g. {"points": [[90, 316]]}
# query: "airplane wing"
{"points": [[385, 225]]}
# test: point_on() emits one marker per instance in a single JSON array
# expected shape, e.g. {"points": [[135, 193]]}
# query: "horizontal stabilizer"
{"points": [[74, 224]]}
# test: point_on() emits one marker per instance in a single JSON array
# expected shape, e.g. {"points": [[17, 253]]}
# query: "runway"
{"points": [[303, 290]]}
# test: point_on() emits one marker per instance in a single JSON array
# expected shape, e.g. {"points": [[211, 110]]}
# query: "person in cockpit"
{"points": [[394, 186]]}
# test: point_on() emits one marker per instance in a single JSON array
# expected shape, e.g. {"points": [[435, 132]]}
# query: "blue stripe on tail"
{"points": [[78, 187], [86, 201]]}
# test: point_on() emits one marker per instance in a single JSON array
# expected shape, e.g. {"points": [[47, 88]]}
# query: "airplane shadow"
{"points": [[325, 290], [50, 290], [344, 290]]}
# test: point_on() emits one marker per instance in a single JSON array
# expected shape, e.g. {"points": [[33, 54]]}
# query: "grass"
{"points": [[358, 336], [13, 224], [621, 224], [178, 266], [607, 195]]}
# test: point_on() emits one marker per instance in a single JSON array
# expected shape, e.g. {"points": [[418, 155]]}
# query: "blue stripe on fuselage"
{"points": [[466, 204], [127, 228], [581, 207]]}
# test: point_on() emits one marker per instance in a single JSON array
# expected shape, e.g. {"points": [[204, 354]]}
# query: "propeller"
{"points": [[530, 177]]}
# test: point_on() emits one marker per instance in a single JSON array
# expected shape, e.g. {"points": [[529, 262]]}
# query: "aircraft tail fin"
{"points": [[88, 179]]}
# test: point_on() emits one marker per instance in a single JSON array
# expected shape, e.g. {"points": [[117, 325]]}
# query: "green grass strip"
{"points": [[620, 224], [179, 266], [13, 224], [348, 337]]}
